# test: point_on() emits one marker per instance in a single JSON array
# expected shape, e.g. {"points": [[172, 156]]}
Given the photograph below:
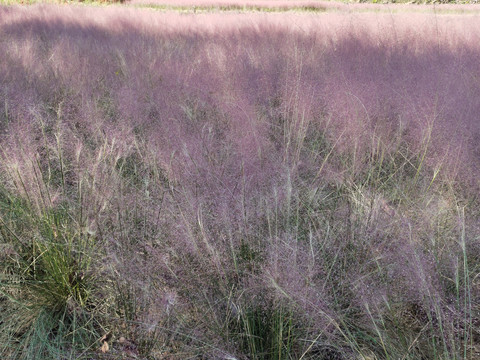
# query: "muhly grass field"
{"points": [[239, 186]]}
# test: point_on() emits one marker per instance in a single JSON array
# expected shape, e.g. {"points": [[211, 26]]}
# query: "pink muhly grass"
{"points": [[306, 168]]}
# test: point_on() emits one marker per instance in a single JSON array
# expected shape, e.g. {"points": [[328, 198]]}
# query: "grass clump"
{"points": [[53, 294]]}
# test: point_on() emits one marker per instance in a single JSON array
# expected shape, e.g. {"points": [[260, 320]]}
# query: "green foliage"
{"points": [[53, 296], [265, 332]]}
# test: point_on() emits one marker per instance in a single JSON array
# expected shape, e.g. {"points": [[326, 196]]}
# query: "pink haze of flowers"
{"points": [[414, 69]]}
